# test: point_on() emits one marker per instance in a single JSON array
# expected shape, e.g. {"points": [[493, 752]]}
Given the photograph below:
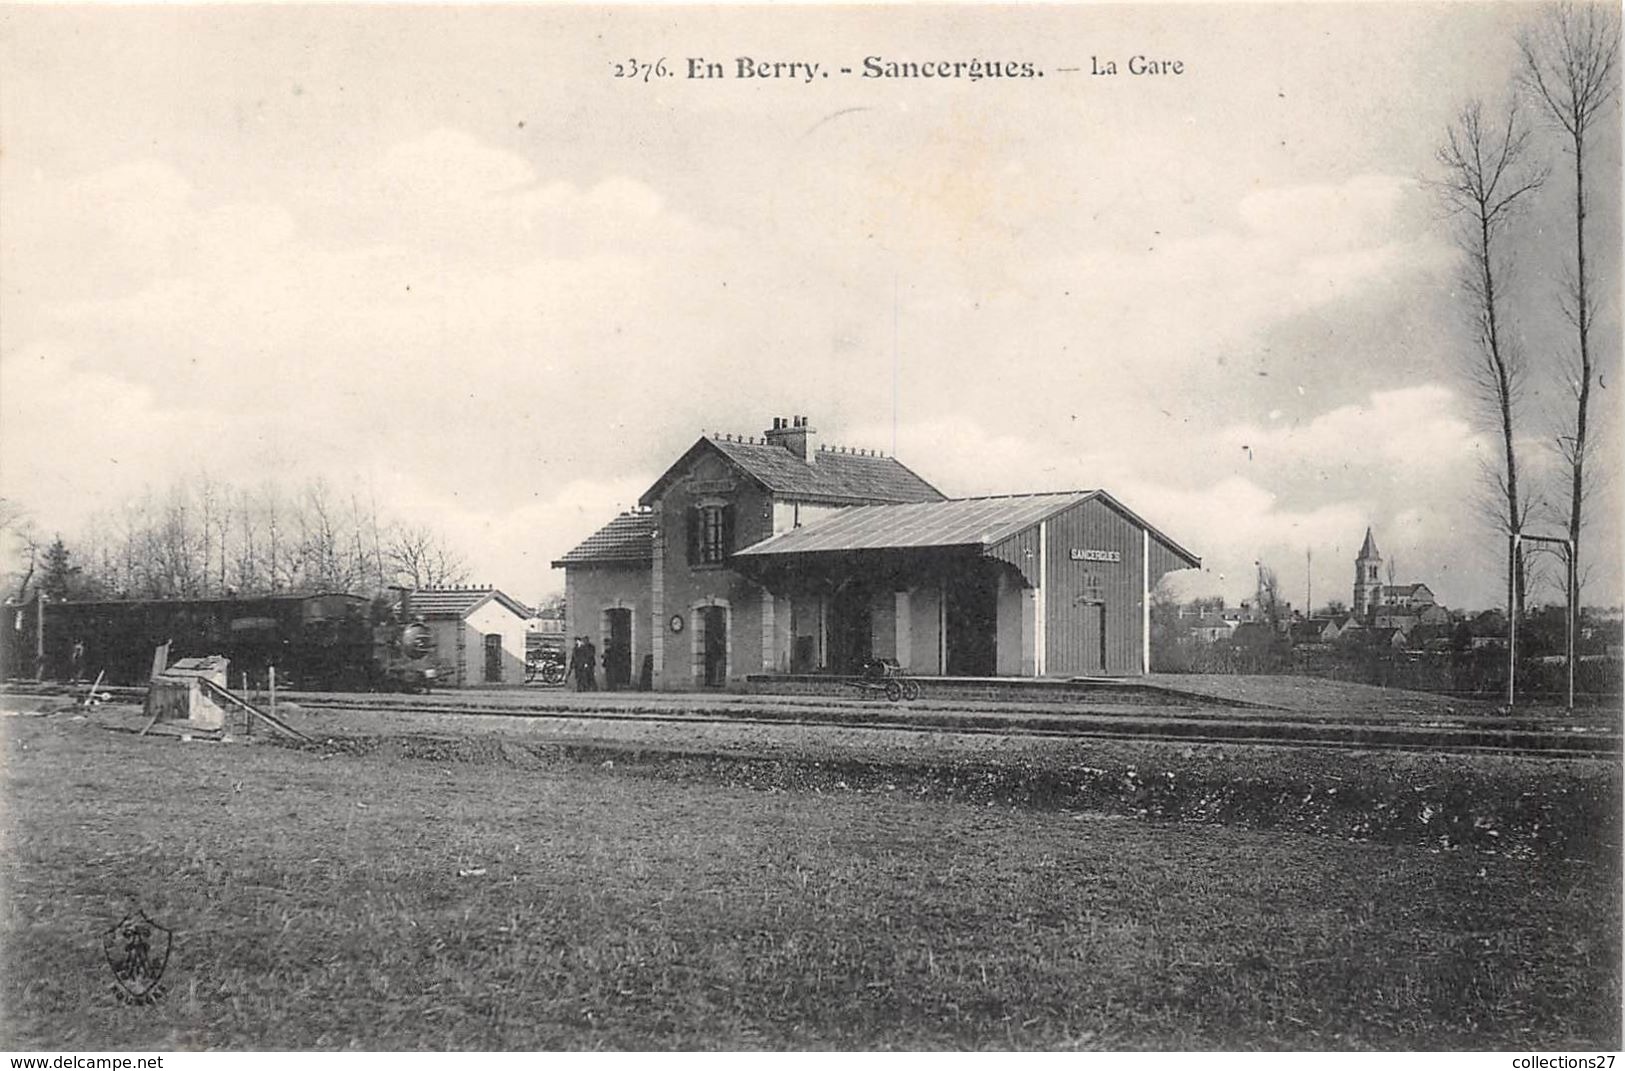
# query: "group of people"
{"points": [[584, 661], [582, 657]]}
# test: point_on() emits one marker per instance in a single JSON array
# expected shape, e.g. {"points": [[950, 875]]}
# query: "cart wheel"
{"points": [[911, 690], [894, 691]]}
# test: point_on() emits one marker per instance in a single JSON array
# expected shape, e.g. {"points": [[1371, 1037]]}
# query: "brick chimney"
{"points": [[796, 436]]}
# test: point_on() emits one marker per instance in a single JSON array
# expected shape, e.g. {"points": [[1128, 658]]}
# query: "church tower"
{"points": [[1367, 578]]}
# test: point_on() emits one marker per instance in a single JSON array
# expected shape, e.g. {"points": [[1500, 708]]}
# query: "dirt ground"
{"points": [[416, 881]]}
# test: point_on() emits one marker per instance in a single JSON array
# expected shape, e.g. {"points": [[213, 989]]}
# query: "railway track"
{"points": [[1207, 729], [1593, 739]]}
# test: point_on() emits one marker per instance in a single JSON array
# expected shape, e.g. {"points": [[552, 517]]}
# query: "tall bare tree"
{"points": [[1570, 67], [1270, 603], [19, 546], [1487, 175], [202, 536], [422, 559]]}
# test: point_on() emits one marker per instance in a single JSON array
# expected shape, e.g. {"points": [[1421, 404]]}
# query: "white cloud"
{"points": [[442, 166], [1324, 216], [1409, 429]]}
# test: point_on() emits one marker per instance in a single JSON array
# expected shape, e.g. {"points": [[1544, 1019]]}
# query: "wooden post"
{"points": [[160, 658], [273, 690], [1574, 619], [1512, 620], [39, 636]]}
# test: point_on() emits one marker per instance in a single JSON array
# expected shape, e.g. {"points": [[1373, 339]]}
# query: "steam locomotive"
{"points": [[321, 642]]}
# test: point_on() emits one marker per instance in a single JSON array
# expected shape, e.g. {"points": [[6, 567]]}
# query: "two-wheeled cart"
{"points": [[887, 677], [546, 665]]}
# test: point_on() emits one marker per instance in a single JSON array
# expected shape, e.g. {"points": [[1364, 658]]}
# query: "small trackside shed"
{"points": [[1012, 585], [478, 633]]}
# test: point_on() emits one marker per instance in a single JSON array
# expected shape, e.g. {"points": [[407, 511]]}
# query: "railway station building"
{"points": [[777, 555]]}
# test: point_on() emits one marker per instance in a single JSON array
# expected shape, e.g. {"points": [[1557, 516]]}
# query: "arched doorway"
{"points": [[713, 643], [617, 648]]}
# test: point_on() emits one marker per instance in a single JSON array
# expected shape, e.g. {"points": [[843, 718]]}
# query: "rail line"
{"points": [[1225, 726], [1092, 726]]}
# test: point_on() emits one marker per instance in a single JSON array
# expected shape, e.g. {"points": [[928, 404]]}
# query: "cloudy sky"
{"points": [[445, 255]]}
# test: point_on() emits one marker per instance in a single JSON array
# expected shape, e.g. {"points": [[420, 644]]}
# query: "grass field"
{"points": [[509, 896]]}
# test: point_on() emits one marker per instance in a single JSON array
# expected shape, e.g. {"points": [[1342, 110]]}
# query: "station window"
{"points": [[710, 534]]}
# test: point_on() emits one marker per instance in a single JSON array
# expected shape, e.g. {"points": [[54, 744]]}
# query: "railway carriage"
{"points": [[322, 641]]}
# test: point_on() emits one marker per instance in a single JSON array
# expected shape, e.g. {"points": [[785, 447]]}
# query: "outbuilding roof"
{"points": [[456, 602], [628, 538], [834, 475], [954, 522]]}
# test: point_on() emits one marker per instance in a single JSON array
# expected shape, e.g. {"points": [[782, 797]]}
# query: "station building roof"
{"points": [[955, 522], [833, 475], [629, 538]]}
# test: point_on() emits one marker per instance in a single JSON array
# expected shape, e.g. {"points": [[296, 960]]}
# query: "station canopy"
{"points": [[956, 522]]}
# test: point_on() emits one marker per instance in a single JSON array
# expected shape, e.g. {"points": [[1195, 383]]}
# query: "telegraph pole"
{"points": [[1569, 577], [1512, 619]]}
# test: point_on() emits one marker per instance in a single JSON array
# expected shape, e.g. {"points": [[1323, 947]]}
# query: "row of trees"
{"points": [[1493, 164], [203, 537]]}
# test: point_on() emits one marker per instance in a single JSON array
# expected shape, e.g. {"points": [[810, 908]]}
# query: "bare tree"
{"points": [[201, 536], [1485, 177], [208, 508], [367, 538], [328, 547], [1270, 603], [271, 499], [422, 559], [21, 546], [248, 566], [174, 550], [1570, 66]]}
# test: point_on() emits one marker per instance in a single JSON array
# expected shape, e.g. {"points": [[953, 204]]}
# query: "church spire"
{"points": [[1369, 548], [1367, 579]]}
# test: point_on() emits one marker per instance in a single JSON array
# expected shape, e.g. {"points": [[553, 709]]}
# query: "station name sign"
{"points": [[1079, 554]]}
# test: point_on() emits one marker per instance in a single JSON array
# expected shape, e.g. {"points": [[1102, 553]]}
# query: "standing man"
{"points": [[575, 662], [589, 660]]}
